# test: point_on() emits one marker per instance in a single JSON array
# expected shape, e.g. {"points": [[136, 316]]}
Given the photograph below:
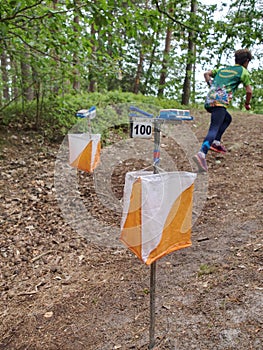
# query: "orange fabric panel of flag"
{"points": [[131, 234], [177, 229], [83, 162], [97, 157]]}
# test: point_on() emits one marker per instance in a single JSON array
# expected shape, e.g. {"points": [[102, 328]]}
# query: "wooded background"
{"points": [[53, 48]]}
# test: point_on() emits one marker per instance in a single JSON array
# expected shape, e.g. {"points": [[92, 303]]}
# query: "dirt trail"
{"points": [[60, 291]]}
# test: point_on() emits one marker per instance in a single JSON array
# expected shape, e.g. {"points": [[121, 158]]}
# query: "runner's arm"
{"points": [[248, 97], [208, 77]]}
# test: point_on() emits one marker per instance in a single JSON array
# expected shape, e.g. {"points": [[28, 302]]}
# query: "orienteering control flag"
{"points": [[157, 213], [84, 151]]}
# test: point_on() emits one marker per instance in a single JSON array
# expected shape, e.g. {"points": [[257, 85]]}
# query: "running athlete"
{"points": [[222, 88]]}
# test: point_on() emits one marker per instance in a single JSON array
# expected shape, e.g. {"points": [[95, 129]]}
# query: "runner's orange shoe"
{"points": [[218, 148]]}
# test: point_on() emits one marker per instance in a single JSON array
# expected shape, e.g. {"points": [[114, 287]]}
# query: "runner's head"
{"points": [[243, 56]]}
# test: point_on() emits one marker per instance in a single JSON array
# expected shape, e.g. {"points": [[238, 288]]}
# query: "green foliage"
{"points": [[58, 115], [257, 98], [97, 45]]}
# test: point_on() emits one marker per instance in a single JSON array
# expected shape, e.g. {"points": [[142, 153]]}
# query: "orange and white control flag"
{"points": [[157, 213], [84, 151]]}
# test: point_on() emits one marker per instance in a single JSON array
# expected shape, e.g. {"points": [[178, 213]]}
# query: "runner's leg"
{"points": [[217, 120], [224, 126]]}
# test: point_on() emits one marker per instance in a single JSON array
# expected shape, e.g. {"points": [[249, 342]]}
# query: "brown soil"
{"points": [[60, 290]]}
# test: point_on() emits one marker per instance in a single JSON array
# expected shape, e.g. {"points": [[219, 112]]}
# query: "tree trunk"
{"points": [[148, 74], [27, 91], [190, 59], [15, 74], [194, 78], [138, 73], [76, 81], [92, 83], [4, 63], [163, 74], [55, 85]]}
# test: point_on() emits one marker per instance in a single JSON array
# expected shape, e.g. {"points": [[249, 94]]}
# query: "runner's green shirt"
{"points": [[225, 83]]}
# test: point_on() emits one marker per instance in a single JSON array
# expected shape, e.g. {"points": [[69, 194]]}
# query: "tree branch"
{"points": [[174, 20], [22, 10], [49, 12], [37, 50]]}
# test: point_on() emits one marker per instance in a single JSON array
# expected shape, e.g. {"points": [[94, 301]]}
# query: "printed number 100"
{"points": [[142, 129]]}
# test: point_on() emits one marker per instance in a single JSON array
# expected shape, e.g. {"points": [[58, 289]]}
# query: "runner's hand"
{"points": [[248, 107]]}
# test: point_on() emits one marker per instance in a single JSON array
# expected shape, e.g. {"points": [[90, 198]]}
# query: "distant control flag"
{"points": [[157, 213], [84, 151]]}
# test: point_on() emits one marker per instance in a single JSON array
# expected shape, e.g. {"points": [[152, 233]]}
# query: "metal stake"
{"points": [[156, 158], [152, 305]]}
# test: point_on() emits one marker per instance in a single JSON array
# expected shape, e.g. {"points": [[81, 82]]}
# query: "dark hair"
{"points": [[241, 56]]}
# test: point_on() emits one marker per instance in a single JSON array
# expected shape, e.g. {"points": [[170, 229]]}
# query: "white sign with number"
{"points": [[142, 129]]}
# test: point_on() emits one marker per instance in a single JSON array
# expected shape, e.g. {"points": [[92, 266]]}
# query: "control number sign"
{"points": [[141, 129]]}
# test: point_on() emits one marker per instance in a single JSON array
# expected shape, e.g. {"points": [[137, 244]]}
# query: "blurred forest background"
{"points": [[63, 55]]}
